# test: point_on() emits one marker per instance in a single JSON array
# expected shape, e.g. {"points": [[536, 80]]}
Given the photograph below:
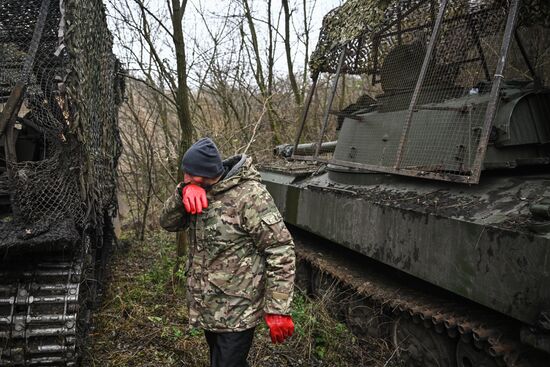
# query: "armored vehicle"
{"points": [[428, 199], [59, 146]]}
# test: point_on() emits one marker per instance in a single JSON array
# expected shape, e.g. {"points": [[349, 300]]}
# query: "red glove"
{"points": [[280, 327], [194, 199]]}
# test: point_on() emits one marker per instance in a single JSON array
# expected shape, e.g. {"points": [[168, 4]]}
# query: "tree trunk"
{"points": [[291, 76], [182, 99], [259, 74], [306, 44]]}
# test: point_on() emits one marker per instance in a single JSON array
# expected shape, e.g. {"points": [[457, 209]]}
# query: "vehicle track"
{"points": [[475, 335], [39, 311]]}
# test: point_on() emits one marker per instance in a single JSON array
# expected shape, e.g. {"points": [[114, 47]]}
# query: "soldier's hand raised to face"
{"points": [[194, 199]]}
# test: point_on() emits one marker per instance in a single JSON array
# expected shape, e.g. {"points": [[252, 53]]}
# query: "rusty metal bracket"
{"points": [[331, 99], [17, 95], [493, 102], [306, 111]]}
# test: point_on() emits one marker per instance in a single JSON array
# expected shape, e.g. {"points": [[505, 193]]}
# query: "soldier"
{"points": [[241, 259]]}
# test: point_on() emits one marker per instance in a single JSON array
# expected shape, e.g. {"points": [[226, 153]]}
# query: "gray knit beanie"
{"points": [[202, 159]]}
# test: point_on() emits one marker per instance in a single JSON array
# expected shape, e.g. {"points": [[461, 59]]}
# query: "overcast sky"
{"points": [[215, 12]]}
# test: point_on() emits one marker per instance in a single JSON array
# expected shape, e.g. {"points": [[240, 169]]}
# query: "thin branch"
{"points": [[264, 110], [164, 95]]}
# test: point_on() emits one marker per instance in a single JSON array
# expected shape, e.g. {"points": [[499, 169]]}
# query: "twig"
{"points": [[264, 109], [391, 356]]}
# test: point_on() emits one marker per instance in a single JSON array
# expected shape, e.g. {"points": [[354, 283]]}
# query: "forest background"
{"points": [[233, 70], [236, 71]]}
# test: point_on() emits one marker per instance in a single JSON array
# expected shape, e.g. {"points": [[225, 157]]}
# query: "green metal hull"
{"points": [[476, 241]]}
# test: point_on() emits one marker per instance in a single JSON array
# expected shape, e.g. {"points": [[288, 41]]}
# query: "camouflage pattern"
{"points": [[241, 259], [356, 22]]}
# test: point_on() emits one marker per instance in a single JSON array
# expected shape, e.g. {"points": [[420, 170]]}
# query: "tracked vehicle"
{"points": [[59, 146], [428, 199]]}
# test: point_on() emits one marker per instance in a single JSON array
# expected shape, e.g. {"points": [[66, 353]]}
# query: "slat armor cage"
{"points": [[60, 87], [433, 69]]}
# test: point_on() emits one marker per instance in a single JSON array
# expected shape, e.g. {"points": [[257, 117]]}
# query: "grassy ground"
{"points": [[143, 322]]}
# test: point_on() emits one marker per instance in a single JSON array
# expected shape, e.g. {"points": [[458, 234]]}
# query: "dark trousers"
{"points": [[229, 349]]}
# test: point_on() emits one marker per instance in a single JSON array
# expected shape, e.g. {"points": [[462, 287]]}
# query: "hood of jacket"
{"points": [[240, 169]]}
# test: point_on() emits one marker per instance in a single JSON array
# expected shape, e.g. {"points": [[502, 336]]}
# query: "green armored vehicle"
{"points": [[59, 146], [437, 179]]}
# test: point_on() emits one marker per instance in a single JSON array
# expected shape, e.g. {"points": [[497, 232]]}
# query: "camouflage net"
{"points": [[422, 105], [65, 135], [356, 24]]}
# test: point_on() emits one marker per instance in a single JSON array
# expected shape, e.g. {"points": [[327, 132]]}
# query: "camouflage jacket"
{"points": [[241, 259]]}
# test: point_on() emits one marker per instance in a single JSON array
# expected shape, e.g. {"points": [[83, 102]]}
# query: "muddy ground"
{"points": [[143, 321]]}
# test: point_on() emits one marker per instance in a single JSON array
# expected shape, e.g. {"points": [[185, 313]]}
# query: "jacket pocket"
{"points": [[229, 308], [274, 229], [236, 285]]}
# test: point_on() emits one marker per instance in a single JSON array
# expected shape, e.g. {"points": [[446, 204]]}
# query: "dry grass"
{"points": [[143, 322]]}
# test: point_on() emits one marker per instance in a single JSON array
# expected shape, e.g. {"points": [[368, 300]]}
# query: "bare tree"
{"points": [[221, 83], [255, 60], [149, 30], [291, 77]]}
